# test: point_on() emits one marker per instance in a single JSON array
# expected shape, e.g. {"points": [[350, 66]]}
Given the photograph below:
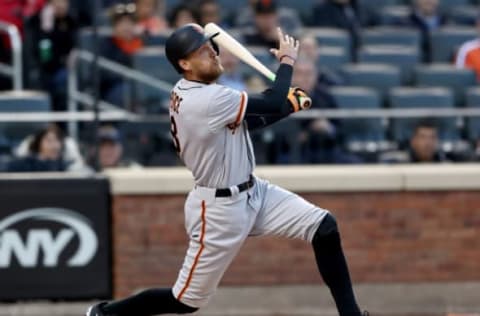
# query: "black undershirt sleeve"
{"points": [[271, 105]]}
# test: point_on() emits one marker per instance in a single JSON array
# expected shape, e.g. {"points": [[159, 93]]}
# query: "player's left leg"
{"points": [[289, 215]]}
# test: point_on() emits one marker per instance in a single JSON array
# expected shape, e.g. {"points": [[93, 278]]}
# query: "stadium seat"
{"points": [[446, 75], [22, 101], [391, 36], [394, 14], [156, 39], [333, 57], [381, 77], [464, 14], [404, 57], [153, 61], [85, 37], [431, 98], [330, 37], [448, 5], [303, 7], [359, 129], [473, 123], [447, 40]]}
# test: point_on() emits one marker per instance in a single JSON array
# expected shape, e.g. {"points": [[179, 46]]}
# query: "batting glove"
{"points": [[298, 99]]}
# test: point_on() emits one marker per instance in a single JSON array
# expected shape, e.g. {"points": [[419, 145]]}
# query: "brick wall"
{"points": [[387, 236]]}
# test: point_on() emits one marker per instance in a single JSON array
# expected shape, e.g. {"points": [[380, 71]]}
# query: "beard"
{"points": [[211, 74]]}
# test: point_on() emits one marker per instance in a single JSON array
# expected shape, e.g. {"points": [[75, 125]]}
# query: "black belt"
{"points": [[241, 187]]}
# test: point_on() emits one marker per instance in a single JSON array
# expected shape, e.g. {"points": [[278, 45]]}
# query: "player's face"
{"points": [[203, 64]]}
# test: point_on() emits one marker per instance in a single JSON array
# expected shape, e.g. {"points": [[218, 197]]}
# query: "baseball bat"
{"points": [[227, 42]]}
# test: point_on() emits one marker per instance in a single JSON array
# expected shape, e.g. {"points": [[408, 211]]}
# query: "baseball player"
{"points": [[210, 126]]}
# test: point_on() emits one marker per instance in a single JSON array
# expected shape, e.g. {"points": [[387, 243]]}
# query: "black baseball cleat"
{"points": [[96, 310]]}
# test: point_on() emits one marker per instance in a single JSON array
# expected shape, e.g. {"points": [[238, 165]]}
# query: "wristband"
{"points": [[283, 56]]}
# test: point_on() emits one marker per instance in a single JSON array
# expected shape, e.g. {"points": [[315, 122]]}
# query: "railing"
{"points": [[111, 112], [15, 70], [75, 96]]}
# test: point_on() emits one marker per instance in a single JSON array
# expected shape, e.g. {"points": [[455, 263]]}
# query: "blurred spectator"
{"points": [[266, 22], [232, 76], [70, 152], [288, 18], [468, 55], [208, 11], [309, 47], [425, 16], [50, 36], [476, 151], [150, 17], [110, 150], [14, 12], [119, 48], [423, 146], [325, 77], [44, 153], [343, 14], [83, 11], [180, 15], [320, 139]]}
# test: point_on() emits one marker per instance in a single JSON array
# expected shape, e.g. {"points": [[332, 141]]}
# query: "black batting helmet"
{"points": [[186, 40]]}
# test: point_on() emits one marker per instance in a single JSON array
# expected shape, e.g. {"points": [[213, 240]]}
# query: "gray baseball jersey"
{"points": [[209, 134], [211, 138]]}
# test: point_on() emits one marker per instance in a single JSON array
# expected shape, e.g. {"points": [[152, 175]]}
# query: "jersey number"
{"points": [[174, 131]]}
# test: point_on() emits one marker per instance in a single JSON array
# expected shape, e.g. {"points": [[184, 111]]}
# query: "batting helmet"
{"points": [[186, 40]]}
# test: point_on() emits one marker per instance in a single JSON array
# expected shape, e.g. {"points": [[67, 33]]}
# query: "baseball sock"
{"points": [[333, 266], [148, 302]]}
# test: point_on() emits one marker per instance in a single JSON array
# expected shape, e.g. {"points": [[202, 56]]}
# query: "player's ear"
{"points": [[185, 65]]}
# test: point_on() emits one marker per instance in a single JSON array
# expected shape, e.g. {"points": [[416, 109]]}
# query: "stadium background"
{"points": [[410, 231]]}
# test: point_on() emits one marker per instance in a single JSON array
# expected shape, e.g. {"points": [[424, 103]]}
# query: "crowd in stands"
{"points": [[332, 35]]}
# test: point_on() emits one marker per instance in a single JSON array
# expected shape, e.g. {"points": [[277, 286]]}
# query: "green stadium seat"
{"points": [[153, 61], [85, 37], [446, 41], [431, 98], [386, 35], [22, 101], [381, 77], [394, 14], [448, 5], [330, 37], [464, 14], [446, 75], [359, 129], [404, 57], [303, 7], [333, 57]]}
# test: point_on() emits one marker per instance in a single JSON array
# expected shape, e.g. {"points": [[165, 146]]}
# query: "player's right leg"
{"points": [[288, 215]]}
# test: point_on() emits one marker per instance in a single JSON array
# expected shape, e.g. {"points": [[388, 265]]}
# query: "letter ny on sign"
{"points": [[42, 240]]}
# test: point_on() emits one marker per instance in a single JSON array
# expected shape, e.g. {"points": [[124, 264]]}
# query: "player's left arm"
{"points": [[280, 100]]}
